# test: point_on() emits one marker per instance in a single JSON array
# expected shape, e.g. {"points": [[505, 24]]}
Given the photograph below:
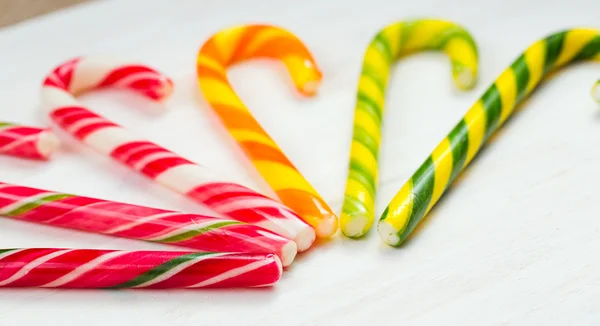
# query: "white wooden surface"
{"points": [[516, 242]]}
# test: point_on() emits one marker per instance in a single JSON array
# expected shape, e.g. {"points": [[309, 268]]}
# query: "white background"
{"points": [[515, 242]]}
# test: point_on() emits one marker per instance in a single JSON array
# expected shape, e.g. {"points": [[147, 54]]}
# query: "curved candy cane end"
{"points": [[305, 238], [388, 233], [47, 143], [465, 78], [596, 91], [82, 74], [305, 74], [288, 253], [164, 88], [355, 226]]}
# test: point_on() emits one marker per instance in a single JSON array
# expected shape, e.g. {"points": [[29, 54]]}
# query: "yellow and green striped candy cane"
{"points": [[392, 43], [426, 186]]}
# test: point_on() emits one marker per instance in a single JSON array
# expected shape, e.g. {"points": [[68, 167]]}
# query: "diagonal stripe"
{"points": [[30, 203], [507, 88], [33, 264], [366, 103], [362, 136], [82, 269], [535, 58], [232, 273], [128, 80], [7, 252], [353, 205], [554, 45], [443, 159], [165, 270], [422, 186], [191, 231], [372, 74], [245, 203], [590, 50], [19, 141], [149, 159], [493, 107], [521, 71], [459, 143], [140, 221], [82, 123], [360, 173], [175, 270], [382, 44], [53, 219]]}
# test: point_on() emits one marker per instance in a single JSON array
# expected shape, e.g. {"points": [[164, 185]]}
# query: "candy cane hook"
{"points": [[83, 74], [26, 142], [393, 42], [416, 198], [240, 43]]}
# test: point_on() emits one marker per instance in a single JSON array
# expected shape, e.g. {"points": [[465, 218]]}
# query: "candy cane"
{"points": [[165, 167], [427, 185], [195, 231], [115, 269], [392, 43], [240, 43], [26, 142]]}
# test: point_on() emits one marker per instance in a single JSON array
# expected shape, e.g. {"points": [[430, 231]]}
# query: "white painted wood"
{"points": [[516, 242]]}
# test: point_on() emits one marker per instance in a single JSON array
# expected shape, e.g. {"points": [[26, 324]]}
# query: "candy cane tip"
{"points": [[305, 238], [465, 79], [288, 253], [47, 143], [355, 227], [166, 88], [310, 87], [388, 233], [327, 226], [279, 266], [596, 92]]}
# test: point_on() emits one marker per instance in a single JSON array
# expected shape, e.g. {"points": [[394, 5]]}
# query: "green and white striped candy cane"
{"points": [[392, 43], [426, 186]]}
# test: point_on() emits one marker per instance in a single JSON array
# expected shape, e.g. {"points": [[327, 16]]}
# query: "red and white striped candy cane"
{"points": [[114, 269], [26, 142], [200, 232], [236, 201]]}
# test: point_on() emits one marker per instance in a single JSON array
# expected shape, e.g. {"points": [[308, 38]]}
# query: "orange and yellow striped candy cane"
{"points": [[239, 43], [392, 43]]}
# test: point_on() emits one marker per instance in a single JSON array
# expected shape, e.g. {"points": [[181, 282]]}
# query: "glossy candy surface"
{"points": [[165, 167], [393, 43], [200, 232], [232, 46], [26, 142], [416, 198], [114, 269]]}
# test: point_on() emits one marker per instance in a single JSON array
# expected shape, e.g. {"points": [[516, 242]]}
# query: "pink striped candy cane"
{"points": [[115, 269], [195, 231], [26, 142], [238, 202]]}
